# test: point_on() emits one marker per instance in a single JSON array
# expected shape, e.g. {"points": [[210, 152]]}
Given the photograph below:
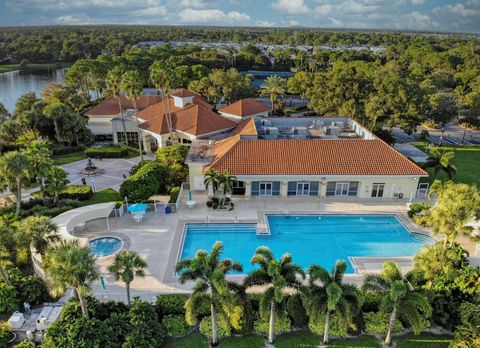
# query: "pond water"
{"points": [[14, 84]]}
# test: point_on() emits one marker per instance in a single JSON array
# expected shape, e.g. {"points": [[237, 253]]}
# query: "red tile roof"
{"points": [[183, 92], [310, 157], [244, 108], [109, 106], [195, 118], [246, 127]]}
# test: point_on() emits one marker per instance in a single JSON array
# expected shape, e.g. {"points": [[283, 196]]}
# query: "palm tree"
{"points": [[70, 265], [212, 179], [14, 167], [40, 158], [37, 231], [440, 161], [127, 266], [132, 84], [332, 296], [56, 112], [399, 298], [160, 76], [209, 271], [273, 87], [56, 181], [227, 181], [114, 88], [4, 259], [277, 275]]}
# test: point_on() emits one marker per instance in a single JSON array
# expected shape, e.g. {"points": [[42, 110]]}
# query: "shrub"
{"points": [[26, 344], [30, 289], [223, 328], [431, 124], [296, 311], [337, 327], [63, 150], [77, 192], [174, 192], [9, 300], [145, 330], [171, 304], [377, 323], [107, 152], [423, 135], [175, 325], [418, 208], [150, 179], [282, 325]]}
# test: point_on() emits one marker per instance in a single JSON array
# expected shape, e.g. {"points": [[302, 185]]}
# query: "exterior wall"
{"points": [[100, 125], [394, 185]]}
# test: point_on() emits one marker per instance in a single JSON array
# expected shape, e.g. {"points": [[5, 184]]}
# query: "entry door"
{"points": [[341, 188], [265, 188], [377, 190], [303, 188]]}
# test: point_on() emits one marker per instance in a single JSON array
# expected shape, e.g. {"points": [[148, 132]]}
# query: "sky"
{"points": [[433, 15]]}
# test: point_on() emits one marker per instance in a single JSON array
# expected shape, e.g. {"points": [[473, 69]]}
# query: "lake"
{"points": [[14, 84]]}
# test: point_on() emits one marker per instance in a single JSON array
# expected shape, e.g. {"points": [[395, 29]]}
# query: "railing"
{"points": [[185, 186]]}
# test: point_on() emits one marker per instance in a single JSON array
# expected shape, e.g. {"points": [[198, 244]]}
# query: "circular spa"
{"points": [[105, 246]]}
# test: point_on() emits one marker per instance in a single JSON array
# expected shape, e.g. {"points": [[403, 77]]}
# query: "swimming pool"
{"points": [[105, 246], [311, 239]]}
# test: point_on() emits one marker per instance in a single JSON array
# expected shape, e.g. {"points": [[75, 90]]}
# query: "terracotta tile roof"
{"points": [[244, 107], [196, 118], [183, 92], [310, 157], [246, 127], [109, 106]]}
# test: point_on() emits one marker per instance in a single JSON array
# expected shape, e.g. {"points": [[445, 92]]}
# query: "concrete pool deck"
{"points": [[157, 237]]}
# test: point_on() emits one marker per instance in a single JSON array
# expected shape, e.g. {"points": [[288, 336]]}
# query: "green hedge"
{"points": [[174, 191], [107, 152], [171, 304], [337, 327], [175, 325], [282, 325], [377, 323], [150, 179], [223, 328], [9, 300], [77, 192], [296, 311]]}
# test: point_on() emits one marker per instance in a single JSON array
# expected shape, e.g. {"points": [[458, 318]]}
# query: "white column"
{"points": [[322, 190], [284, 189], [248, 188]]}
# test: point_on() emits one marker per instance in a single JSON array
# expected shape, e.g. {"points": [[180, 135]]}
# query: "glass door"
{"points": [[341, 188], [377, 190], [265, 188], [303, 188]]}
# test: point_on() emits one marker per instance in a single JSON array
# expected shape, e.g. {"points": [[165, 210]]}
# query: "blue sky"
{"points": [[443, 15]]}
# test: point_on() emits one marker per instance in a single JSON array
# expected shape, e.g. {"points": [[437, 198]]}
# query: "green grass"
{"points": [[297, 339], [426, 340], [467, 161], [104, 196], [69, 158], [194, 340], [250, 341], [361, 341], [11, 67]]}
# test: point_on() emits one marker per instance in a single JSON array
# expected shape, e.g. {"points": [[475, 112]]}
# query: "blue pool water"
{"points": [[105, 246], [311, 239]]}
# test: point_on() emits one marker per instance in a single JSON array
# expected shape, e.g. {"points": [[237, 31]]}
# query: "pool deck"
{"points": [[158, 238]]}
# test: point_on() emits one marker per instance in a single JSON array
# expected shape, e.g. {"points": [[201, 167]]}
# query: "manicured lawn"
{"points": [[297, 339], [11, 67], [362, 341], [426, 340], [104, 196], [69, 158], [251, 341], [194, 340], [467, 161]]}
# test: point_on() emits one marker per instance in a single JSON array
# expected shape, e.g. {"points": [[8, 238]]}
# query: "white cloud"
{"points": [[293, 7], [324, 9], [417, 20], [417, 2], [213, 17], [192, 3], [151, 11]]}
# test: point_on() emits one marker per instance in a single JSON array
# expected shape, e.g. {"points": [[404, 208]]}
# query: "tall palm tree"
{"points": [[399, 298], [14, 167], [132, 84], [56, 181], [212, 179], [226, 182], [37, 231], [273, 87], [40, 158], [70, 265], [209, 271], [440, 161], [331, 296], [276, 275], [160, 76], [127, 266], [56, 112], [114, 88], [4, 260]]}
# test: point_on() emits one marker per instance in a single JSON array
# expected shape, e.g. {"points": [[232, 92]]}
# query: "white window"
{"points": [[342, 188], [377, 190], [303, 188], [265, 188]]}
